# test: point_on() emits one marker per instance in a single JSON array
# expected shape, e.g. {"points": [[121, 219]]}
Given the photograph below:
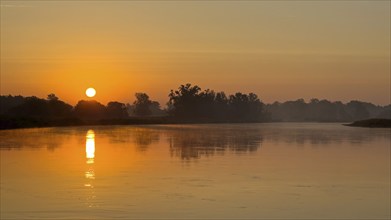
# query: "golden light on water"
{"points": [[90, 146], [90, 173]]}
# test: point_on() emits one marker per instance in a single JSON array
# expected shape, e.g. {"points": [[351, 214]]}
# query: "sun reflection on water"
{"points": [[90, 146], [90, 173]]}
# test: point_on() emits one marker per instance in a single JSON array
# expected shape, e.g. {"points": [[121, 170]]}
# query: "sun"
{"points": [[90, 92]]}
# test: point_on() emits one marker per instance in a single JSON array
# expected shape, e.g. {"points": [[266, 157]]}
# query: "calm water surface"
{"points": [[282, 170]]}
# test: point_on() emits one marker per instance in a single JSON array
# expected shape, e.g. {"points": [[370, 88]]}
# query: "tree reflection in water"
{"points": [[143, 138], [196, 141], [193, 142]]}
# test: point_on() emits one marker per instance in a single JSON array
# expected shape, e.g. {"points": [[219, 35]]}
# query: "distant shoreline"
{"points": [[8, 123], [372, 123], [187, 105]]}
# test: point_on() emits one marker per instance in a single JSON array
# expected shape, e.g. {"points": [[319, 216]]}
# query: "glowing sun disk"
{"points": [[90, 92]]}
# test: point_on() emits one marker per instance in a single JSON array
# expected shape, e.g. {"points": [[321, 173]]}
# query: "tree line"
{"points": [[326, 111], [190, 103], [187, 103], [53, 107]]}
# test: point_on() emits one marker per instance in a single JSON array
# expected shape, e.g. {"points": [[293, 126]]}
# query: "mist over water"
{"points": [[272, 170]]}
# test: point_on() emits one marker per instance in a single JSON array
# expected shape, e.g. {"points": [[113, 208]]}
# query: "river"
{"points": [[253, 171]]}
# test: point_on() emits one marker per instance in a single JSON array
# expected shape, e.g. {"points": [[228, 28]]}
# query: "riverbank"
{"points": [[25, 122], [372, 123]]}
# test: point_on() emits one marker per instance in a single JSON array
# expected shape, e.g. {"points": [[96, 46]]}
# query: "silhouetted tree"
{"points": [[116, 110], [220, 106], [58, 108], [155, 109], [184, 101], [205, 104], [358, 110], [36, 107], [190, 104], [9, 102], [52, 97], [142, 104], [32, 107], [245, 107], [323, 110], [92, 110]]}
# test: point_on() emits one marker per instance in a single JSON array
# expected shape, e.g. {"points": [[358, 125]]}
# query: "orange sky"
{"points": [[279, 50]]}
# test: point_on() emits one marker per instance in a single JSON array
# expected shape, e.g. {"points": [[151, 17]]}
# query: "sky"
{"points": [[280, 50]]}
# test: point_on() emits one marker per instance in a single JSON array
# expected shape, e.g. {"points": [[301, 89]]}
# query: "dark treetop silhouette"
{"points": [[188, 103]]}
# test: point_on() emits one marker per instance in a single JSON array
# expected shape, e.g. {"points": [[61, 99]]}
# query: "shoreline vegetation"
{"points": [[18, 123], [187, 104], [372, 123]]}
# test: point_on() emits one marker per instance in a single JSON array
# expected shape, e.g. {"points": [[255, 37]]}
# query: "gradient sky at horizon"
{"points": [[284, 50]]}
